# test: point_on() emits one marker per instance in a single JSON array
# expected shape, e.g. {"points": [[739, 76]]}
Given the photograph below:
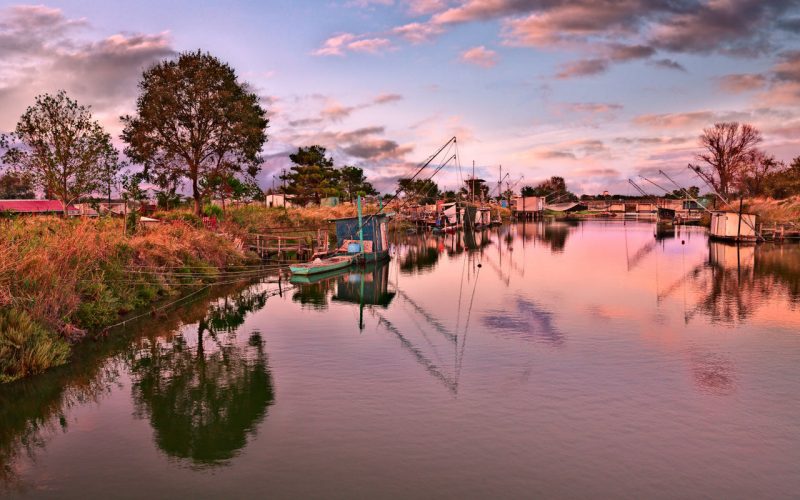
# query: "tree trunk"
{"points": [[198, 205]]}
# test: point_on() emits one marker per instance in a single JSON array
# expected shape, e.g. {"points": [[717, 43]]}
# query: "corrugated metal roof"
{"points": [[34, 206]]}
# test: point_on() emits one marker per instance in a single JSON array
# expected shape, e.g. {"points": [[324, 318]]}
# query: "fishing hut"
{"points": [[528, 207], [367, 236], [733, 226]]}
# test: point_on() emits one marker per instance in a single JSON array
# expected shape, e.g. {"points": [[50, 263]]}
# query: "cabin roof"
{"points": [[365, 216], [34, 206]]}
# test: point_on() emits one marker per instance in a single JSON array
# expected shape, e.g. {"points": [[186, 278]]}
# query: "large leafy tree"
{"points": [[420, 190], [312, 176], [195, 121], [729, 150], [354, 182], [60, 148], [14, 186]]}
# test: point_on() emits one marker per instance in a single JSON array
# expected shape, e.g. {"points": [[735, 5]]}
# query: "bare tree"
{"points": [[730, 148]]}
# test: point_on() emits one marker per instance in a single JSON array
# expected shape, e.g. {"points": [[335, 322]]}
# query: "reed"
{"points": [[70, 276]]}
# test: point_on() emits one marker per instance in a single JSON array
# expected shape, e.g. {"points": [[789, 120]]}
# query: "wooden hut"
{"points": [[375, 236], [733, 226]]}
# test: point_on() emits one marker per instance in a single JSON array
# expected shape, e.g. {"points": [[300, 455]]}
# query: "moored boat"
{"points": [[325, 265]]}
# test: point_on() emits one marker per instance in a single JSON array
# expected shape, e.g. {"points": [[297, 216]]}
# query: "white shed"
{"points": [[529, 203], [732, 226]]}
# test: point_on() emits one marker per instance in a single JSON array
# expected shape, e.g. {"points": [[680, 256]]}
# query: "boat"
{"points": [[666, 216], [309, 279], [325, 265]]}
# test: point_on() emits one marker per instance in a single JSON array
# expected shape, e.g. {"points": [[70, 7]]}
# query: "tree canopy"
{"points": [[58, 147], [353, 182], [312, 176], [194, 120], [14, 186], [420, 190]]}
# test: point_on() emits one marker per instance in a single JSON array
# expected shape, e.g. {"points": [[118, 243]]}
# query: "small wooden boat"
{"points": [[322, 265]]}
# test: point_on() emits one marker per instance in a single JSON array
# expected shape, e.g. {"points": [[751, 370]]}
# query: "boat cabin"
{"points": [[375, 233]]}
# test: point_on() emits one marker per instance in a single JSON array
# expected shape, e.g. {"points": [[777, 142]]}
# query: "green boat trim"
{"points": [[322, 265], [308, 279]]}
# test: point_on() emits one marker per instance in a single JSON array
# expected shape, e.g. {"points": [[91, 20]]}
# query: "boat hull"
{"points": [[324, 266]]}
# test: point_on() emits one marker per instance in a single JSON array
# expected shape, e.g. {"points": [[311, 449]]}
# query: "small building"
{"points": [[330, 201], [278, 200], [37, 207], [528, 204], [733, 227], [375, 232]]}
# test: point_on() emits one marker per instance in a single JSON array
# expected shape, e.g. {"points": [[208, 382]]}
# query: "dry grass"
{"points": [[69, 276], [775, 211]]}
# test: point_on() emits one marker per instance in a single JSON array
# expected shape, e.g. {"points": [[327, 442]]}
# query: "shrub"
{"points": [[26, 347], [213, 211]]}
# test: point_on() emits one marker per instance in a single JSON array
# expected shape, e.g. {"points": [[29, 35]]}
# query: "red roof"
{"points": [[34, 206]]}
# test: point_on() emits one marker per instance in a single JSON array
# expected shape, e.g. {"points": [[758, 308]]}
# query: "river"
{"points": [[582, 359]]}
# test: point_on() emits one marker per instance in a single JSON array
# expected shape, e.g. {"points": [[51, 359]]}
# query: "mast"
{"points": [[473, 182]]}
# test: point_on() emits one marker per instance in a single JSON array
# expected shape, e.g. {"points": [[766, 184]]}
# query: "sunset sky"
{"points": [[594, 91]]}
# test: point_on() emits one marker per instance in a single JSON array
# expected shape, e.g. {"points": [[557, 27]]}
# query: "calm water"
{"points": [[562, 360]]}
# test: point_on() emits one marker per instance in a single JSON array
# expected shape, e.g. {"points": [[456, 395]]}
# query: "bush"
{"points": [[26, 347], [213, 211], [173, 216]]}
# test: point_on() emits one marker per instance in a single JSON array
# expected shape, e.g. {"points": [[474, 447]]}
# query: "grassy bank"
{"points": [[769, 211], [61, 279]]}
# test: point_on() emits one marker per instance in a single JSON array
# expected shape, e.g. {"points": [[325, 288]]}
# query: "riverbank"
{"points": [[61, 279]]}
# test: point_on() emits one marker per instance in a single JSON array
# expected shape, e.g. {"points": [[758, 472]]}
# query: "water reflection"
{"points": [[497, 335], [740, 279], [35, 410], [527, 321], [553, 233], [206, 394]]}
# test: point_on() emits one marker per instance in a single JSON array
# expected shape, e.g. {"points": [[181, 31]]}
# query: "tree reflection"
{"points": [[314, 295], [739, 279], [554, 234], [33, 410], [204, 399]]}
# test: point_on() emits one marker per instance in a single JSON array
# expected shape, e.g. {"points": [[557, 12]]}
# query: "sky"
{"points": [[595, 91]]}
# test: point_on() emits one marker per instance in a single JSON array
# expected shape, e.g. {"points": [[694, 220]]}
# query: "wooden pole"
{"points": [[739, 229]]}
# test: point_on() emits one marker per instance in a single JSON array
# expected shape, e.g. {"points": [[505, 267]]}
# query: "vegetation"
{"points": [[423, 191], [554, 188], [195, 121], [67, 277], [26, 347], [14, 186], [312, 176], [60, 149]]}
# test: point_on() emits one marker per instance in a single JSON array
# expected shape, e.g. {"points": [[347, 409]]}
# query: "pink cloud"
{"points": [[335, 45], [741, 82], [420, 7], [418, 32], [371, 45], [480, 56]]}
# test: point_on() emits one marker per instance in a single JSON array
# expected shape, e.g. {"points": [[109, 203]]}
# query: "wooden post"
{"points": [[739, 228]]}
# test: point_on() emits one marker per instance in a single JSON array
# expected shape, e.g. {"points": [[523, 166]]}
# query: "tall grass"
{"points": [[27, 348], [67, 276]]}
